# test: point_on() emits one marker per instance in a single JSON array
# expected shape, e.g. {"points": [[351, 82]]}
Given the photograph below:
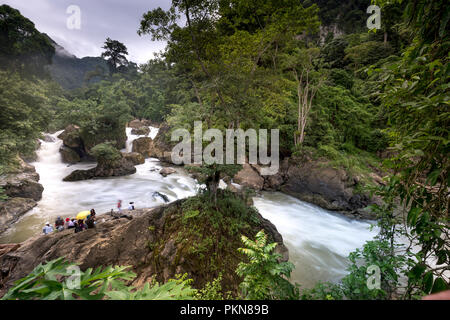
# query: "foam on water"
{"points": [[319, 241]]}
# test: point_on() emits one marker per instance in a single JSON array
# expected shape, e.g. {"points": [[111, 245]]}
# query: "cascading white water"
{"points": [[318, 241], [68, 198]]}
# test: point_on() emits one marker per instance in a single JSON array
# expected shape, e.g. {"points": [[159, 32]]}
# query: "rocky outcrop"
{"points": [[135, 124], [69, 155], [149, 243], [324, 186], [117, 168], [12, 209], [142, 131], [314, 182], [23, 190], [73, 147], [249, 177], [166, 171], [23, 183], [134, 157], [71, 137], [150, 148]]}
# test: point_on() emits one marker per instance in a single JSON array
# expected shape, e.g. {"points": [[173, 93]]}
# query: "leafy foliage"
{"points": [[264, 276]]}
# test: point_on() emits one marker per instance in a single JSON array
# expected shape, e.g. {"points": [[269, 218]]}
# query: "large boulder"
{"points": [[149, 242], [69, 155], [134, 157], [144, 146], [135, 124], [249, 177], [22, 183], [325, 186], [12, 209], [166, 171], [142, 131], [71, 137], [117, 168]]}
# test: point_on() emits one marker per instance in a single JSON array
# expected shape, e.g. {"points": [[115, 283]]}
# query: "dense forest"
{"points": [[359, 100]]}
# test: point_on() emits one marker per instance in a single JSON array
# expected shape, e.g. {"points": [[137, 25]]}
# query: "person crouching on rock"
{"points": [[79, 226], [48, 228], [59, 224], [90, 220]]}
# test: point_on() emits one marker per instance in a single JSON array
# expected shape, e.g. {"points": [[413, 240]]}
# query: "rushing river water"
{"points": [[318, 241]]}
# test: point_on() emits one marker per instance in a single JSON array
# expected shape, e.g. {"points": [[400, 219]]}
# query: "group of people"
{"points": [[119, 206], [71, 223], [81, 224]]}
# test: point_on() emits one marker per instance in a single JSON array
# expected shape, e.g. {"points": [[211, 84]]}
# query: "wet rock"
{"points": [[144, 146], [324, 186], [134, 157], [48, 138], [142, 131], [71, 137], [22, 185], [166, 171], [68, 155], [12, 209], [117, 168]]}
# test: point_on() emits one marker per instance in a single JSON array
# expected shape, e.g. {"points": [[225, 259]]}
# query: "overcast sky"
{"points": [[117, 19]]}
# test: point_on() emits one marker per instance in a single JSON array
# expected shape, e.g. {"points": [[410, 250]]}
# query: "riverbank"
{"points": [[157, 242]]}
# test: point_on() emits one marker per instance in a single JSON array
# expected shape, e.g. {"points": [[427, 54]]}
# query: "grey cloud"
{"points": [[100, 19]]}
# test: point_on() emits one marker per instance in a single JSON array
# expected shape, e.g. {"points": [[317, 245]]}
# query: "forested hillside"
{"points": [[348, 98]]}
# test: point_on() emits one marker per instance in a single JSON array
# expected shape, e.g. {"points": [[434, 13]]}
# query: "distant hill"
{"points": [[72, 72]]}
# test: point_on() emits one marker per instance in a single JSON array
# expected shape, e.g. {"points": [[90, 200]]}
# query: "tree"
{"points": [[301, 64], [116, 52], [22, 47]]}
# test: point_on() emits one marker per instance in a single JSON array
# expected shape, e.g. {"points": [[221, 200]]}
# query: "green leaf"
{"points": [[439, 285]]}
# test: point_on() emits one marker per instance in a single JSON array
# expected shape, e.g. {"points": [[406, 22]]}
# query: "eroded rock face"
{"points": [[149, 243], [12, 209]]}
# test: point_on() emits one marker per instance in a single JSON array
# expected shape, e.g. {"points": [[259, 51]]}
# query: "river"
{"points": [[319, 241]]}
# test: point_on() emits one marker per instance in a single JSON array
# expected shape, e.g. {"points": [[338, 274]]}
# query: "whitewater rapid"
{"points": [[319, 241]]}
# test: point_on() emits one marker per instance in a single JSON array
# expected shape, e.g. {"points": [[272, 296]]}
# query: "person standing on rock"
{"points": [[48, 228], [119, 205]]}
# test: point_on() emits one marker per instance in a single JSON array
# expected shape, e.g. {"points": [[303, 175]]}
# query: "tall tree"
{"points": [[116, 53]]}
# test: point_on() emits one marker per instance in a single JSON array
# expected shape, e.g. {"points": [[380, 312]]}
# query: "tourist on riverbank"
{"points": [[48, 228], [90, 220], [70, 224], [80, 226], [131, 206], [59, 224], [119, 205]]}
